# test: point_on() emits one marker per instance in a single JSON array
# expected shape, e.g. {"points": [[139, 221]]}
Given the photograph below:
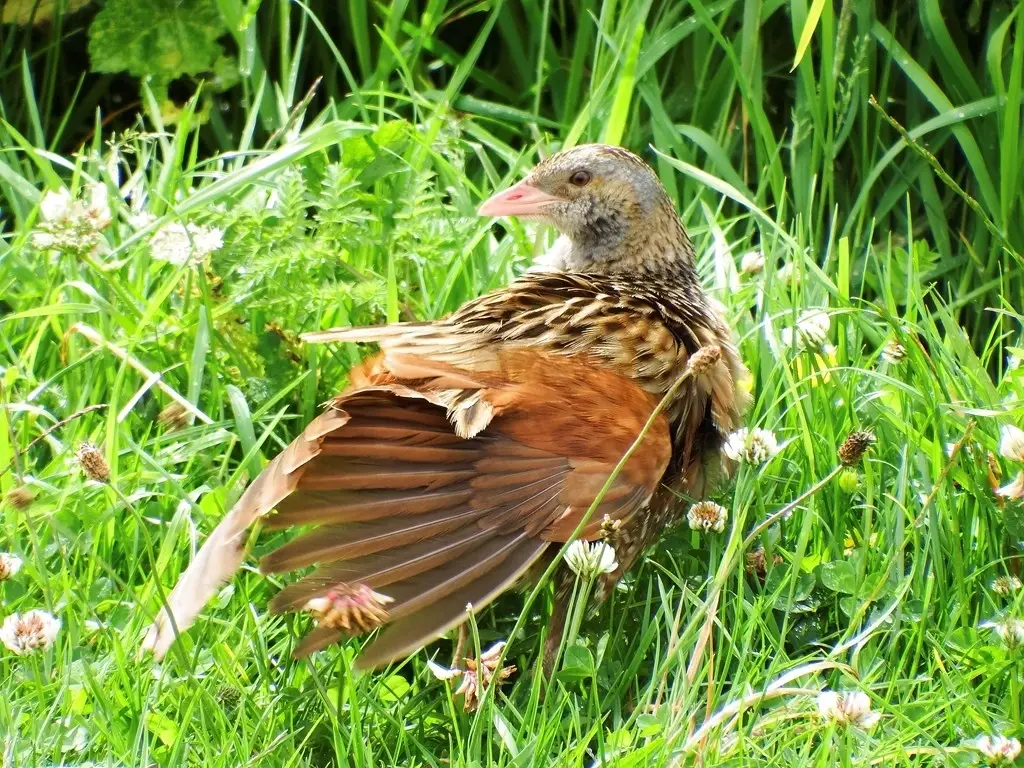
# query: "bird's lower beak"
{"points": [[518, 200]]}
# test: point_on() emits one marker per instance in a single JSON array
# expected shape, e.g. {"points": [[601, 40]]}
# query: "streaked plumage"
{"points": [[467, 451]]}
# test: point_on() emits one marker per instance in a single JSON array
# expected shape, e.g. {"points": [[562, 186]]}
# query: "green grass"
{"points": [[356, 206]]}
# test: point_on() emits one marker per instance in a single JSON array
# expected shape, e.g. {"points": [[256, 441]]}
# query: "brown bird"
{"points": [[466, 452]]}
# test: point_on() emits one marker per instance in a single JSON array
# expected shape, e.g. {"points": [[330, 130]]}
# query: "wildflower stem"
{"points": [[773, 518], [94, 336]]}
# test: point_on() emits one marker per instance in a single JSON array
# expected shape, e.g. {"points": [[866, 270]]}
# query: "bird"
{"points": [[468, 450]]}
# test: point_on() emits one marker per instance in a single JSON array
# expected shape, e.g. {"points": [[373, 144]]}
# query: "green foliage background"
{"points": [[872, 149]]}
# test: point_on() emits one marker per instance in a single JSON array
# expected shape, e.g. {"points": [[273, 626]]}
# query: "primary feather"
{"points": [[471, 447]]}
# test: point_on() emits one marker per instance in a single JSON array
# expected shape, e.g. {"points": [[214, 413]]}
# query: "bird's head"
{"points": [[607, 202]]}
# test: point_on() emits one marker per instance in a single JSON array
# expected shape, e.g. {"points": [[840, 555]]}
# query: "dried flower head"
{"points": [[20, 497], [24, 634], [589, 560], [704, 359], [179, 244], [610, 528], [707, 516], [228, 696], [1005, 585], [351, 608], [1009, 629], [9, 565], [993, 471], [173, 417], [1011, 443], [850, 708], [810, 332], [752, 263], [754, 446], [756, 562], [893, 352], [996, 749], [854, 446], [478, 675], [92, 462]]}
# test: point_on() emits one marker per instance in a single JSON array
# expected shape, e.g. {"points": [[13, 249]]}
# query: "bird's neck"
{"points": [[659, 245]]}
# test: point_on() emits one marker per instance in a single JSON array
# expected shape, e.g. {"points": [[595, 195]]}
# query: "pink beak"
{"points": [[517, 200]]}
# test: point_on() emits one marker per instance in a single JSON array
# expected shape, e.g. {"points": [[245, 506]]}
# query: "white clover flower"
{"points": [[56, 206], [893, 352], [1004, 585], [707, 516], [852, 708], [1010, 630], [754, 446], [67, 224], [1011, 443], [752, 263], [24, 634], [141, 220], [589, 560], [97, 211], [9, 565], [180, 244], [787, 274], [997, 749], [1013, 490], [810, 332]]}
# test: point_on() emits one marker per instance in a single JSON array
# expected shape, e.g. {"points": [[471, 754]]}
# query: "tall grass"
{"points": [[883, 171]]}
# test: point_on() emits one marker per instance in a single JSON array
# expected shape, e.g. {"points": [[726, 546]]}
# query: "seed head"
{"points": [[588, 560], [173, 417], [477, 675], [610, 528], [853, 447], [9, 565], [20, 497], [228, 696], [25, 634], [92, 463], [851, 708], [704, 359], [756, 562], [1005, 585], [997, 749], [351, 608], [707, 516]]}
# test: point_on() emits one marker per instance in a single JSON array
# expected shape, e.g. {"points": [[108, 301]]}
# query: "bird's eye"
{"points": [[580, 178]]}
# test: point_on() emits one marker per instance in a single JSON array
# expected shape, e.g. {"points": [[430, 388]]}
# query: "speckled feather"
{"points": [[464, 452]]}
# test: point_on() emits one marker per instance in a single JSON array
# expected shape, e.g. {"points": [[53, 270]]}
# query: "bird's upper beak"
{"points": [[522, 198]]}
